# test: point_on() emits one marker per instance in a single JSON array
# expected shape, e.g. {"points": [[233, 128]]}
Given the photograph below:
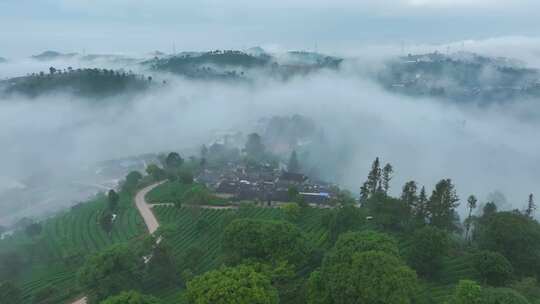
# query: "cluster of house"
{"points": [[265, 184]]}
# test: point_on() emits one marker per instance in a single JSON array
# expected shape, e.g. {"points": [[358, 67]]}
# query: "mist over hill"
{"points": [[355, 118]]}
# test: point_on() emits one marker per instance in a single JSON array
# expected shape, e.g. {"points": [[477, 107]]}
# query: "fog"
{"points": [[483, 149]]}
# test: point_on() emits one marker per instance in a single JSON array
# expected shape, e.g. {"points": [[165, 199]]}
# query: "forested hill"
{"points": [[242, 65], [88, 83], [461, 77]]}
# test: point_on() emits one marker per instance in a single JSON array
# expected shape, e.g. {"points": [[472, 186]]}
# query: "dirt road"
{"points": [[148, 216], [145, 209]]}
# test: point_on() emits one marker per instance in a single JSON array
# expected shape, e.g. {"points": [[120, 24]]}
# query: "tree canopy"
{"points": [[498, 232], [228, 285], [363, 267], [268, 241], [428, 246], [110, 272], [131, 297]]}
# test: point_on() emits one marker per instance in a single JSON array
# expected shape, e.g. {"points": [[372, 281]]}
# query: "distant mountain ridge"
{"points": [[461, 77], [234, 64]]}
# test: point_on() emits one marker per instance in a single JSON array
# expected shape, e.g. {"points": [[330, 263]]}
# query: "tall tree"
{"points": [[421, 207], [173, 161], [387, 172], [531, 206], [109, 272], [442, 205], [409, 194], [363, 268], [113, 199], [294, 165], [242, 284], [364, 193], [373, 182], [471, 204]]}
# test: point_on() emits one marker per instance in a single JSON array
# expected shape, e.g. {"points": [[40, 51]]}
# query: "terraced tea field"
{"points": [[65, 240]]}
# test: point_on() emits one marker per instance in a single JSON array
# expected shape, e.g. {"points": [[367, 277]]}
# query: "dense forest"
{"points": [[87, 83], [239, 65], [211, 248]]}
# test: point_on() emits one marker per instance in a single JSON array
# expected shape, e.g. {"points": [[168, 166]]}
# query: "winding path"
{"points": [[146, 213], [145, 209]]}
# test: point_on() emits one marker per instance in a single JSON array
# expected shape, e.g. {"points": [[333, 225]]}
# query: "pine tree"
{"points": [[471, 203], [294, 165], [364, 193], [409, 195], [374, 177], [421, 208], [442, 205], [531, 206], [387, 177]]}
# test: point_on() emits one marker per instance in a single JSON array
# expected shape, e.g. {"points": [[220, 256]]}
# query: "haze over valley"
{"points": [[285, 152]]}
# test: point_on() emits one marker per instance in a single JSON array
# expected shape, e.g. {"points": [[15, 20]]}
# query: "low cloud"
{"points": [[481, 149]]}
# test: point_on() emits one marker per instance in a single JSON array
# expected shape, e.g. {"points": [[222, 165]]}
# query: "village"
{"points": [[266, 184]]}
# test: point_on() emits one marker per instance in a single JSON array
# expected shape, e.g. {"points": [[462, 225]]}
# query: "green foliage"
{"points": [[227, 285], [360, 268], [131, 182], [185, 177], [428, 246], [161, 267], [344, 219], [173, 161], [515, 236], [11, 265], [197, 195], [169, 192], [113, 199], [9, 293], [493, 268], [389, 213], [528, 287], [156, 172], [106, 221], [111, 271], [316, 289], [468, 292], [352, 242], [45, 295], [503, 296], [91, 83], [368, 277], [292, 211], [442, 205], [267, 241], [131, 297]]}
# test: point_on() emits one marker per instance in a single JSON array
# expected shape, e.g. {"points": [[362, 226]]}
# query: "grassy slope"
{"points": [[70, 235], [167, 193], [209, 239], [454, 268], [170, 192], [77, 231]]}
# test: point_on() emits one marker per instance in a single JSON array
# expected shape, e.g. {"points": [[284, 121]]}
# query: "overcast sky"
{"points": [[135, 26]]}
